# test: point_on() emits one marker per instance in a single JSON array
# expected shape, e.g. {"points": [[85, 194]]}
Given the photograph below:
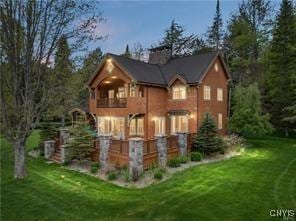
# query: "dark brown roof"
{"points": [[141, 71], [191, 68]]}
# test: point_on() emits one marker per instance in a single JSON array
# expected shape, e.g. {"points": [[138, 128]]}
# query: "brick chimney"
{"points": [[160, 55]]}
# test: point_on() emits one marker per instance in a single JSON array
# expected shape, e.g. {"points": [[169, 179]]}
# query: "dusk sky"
{"points": [[129, 22], [145, 21]]}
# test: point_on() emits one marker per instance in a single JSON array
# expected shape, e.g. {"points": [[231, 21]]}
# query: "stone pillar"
{"points": [[64, 154], [162, 149], [182, 143], [136, 146], [64, 136], [105, 142], [49, 148]]}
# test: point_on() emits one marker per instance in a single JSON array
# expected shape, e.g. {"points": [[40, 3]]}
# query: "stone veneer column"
{"points": [[105, 142], [64, 153], [136, 146], [49, 148], [182, 143], [162, 149], [64, 136]]}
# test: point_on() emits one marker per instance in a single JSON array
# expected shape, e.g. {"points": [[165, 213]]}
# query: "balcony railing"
{"points": [[111, 102]]}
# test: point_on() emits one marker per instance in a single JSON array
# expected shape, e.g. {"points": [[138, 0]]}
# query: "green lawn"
{"points": [[243, 188]]}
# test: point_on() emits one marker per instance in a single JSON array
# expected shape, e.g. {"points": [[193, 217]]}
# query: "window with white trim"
{"points": [[220, 121], [111, 125], [219, 94], [179, 123], [159, 125], [179, 92], [136, 127], [207, 92]]}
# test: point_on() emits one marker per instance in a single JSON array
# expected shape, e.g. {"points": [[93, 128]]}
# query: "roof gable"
{"points": [[192, 69]]}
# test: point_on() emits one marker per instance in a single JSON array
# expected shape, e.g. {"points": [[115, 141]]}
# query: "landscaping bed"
{"points": [[121, 177]]}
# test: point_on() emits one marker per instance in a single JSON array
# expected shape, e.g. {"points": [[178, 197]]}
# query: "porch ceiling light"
{"points": [[107, 82], [113, 77]]}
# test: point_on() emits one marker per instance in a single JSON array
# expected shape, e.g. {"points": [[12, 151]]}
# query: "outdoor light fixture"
{"points": [[113, 77], [107, 82]]}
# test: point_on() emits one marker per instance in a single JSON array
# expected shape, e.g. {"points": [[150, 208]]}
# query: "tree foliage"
{"points": [[174, 38], [247, 115], [207, 140], [215, 32], [89, 66], [247, 36], [81, 143], [281, 78], [30, 31], [127, 52]]}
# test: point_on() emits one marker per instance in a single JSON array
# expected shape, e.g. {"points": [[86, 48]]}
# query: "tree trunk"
{"points": [[19, 160]]}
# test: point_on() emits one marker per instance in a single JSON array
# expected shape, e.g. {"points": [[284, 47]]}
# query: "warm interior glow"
{"points": [[114, 77], [109, 60], [107, 82]]}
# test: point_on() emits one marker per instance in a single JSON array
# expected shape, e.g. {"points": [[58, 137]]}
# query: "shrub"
{"points": [[112, 176], [94, 168], [195, 156], [247, 117], [234, 140], [158, 175], [183, 159], [175, 162], [207, 140]]}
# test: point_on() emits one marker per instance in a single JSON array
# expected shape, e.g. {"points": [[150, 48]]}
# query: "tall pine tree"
{"points": [[174, 38], [63, 69], [282, 72], [127, 52], [215, 32]]}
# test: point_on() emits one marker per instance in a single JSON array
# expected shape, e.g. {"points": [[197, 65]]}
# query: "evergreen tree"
{"points": [[247, 35], [215, 32], [282, 73], [63, 83], [127, 52], [207, 140], [247, 117], [90, 64], [174, 38], [81, 143]]}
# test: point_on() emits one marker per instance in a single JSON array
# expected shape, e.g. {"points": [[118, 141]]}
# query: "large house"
{"points": [[131, 98]]}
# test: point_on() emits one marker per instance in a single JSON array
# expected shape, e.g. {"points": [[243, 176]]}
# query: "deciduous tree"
{"points": [[30, 31]]}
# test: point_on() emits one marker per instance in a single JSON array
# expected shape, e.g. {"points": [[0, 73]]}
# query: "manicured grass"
{"points": [[242, 188]]}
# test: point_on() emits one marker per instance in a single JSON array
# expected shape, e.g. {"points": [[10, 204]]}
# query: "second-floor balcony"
{"points": [[111, 102]]}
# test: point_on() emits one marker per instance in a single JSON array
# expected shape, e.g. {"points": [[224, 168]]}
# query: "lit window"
{"points": [[111, 125], [179, 124], [219, 94], [219, 121], [179, 92], [216, 67], [207, 93], [159, 125], [121, 92], [110, 66], [136, 127], [132, 91]]}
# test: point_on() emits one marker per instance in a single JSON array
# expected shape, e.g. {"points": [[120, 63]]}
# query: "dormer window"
{"points": [[179, 92]]}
